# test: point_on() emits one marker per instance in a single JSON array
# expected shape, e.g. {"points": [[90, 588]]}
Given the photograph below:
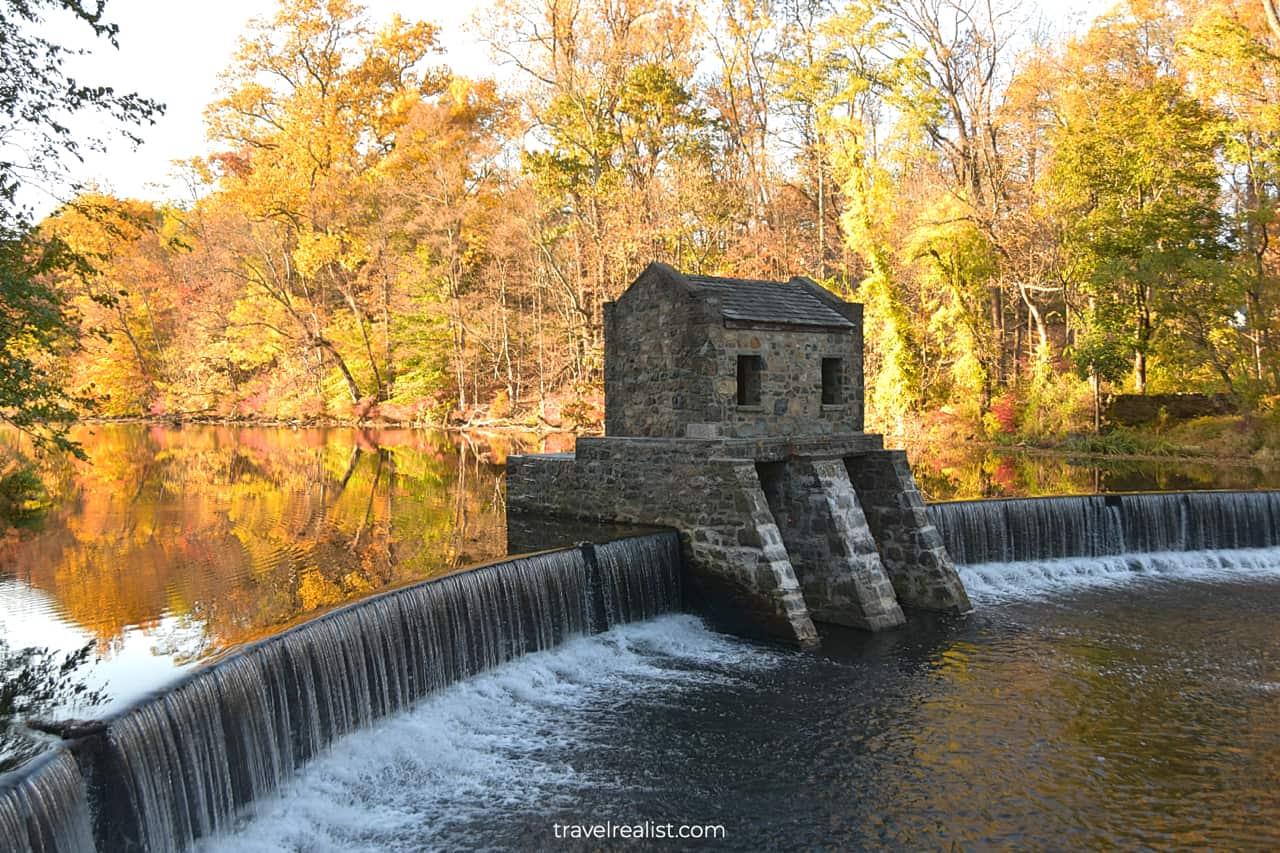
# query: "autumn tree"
{"points": [[1134, 181], [445, 198], [608, 88], [310, 107], [122, 294], [1234, 69]]}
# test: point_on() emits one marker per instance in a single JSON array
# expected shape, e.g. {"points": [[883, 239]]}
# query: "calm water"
{"points": [[176, 545], [1131, 711], [964, 473]]}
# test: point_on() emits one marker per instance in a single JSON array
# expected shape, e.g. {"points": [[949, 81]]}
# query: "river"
{"points": [[1123, 711]]}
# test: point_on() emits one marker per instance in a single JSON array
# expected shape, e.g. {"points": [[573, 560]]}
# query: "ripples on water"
{"points": [[1143, 713]]}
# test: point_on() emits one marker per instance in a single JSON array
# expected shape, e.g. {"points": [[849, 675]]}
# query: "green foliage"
{"points": [[1055, 404], [1122, 442], [1102, 353], [23, 496], [1135, 182], [37, 97], [34, 330]]}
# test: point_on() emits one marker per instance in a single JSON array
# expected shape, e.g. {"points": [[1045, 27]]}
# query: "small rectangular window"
{"points": [[832, 380], [750, 367]]}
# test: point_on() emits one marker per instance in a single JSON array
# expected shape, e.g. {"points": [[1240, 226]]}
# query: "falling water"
{"points": [[1026, 529], [640, 577], [45, 807], [182, 764]]}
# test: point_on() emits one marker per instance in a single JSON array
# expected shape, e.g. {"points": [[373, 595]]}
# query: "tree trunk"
{"points": [[352, 388], [1272, 8], [1096, 382]]}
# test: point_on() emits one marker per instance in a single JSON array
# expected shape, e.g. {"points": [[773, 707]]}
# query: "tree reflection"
{"points": [[243, 531], [35, 681]]}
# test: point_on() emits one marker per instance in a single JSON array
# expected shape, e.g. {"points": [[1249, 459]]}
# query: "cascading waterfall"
{"points": [[631, 595], [45, 808], [1023, 529], [183, 764]]}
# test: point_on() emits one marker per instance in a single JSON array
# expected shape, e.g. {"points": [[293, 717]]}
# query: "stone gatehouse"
{"points": [[734, 413], [698, 357]]}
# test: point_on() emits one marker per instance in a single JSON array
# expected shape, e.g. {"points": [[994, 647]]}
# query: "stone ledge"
{"points": [[752, 449]]}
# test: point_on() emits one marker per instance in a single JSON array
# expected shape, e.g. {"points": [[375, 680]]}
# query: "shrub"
{"points": [[500, 406], [1002, 419]]}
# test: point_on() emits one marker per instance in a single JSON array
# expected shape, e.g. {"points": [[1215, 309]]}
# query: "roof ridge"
{"points": [[701, 277]]}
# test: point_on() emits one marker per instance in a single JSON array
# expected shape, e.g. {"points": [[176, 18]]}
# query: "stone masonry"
{"points": [[671, 353], [733, 413]]}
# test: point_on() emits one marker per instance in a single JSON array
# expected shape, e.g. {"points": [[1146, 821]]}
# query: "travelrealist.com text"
{"points": [[646, 830]]}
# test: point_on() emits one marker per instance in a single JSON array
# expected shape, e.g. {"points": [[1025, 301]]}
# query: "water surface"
{"points": [[176, 545], [1124, 710], [173, 546]]}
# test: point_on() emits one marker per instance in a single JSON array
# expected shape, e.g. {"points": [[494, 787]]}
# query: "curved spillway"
{"points": [[183, 763], [1031, 546], [46, 807], [1024, 529]]}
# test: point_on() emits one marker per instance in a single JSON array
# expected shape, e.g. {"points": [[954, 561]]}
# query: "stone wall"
{"points": [[791, 383], [1136, 409], [774, 538], [830, 546], [658, 370], [740, 574]]}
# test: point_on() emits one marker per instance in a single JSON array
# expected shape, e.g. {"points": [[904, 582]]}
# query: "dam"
{"points": [[734, 414], [483, 706]]}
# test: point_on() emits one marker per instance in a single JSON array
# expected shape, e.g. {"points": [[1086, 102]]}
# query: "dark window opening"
{"points": [[832, 379], [750, 367]]}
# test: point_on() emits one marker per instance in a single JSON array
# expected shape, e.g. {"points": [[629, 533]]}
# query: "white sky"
{"points": [[173, 50]]}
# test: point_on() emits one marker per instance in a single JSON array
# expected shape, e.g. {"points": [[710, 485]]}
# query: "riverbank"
{"points": [[1250, 439], [1230, 439]]}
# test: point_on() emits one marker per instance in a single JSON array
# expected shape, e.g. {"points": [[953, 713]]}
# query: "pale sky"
{"points": [[173, 50]]}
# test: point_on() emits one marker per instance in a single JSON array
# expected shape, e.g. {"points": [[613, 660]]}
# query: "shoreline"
{"points": [[544, 428], [497, 425]]}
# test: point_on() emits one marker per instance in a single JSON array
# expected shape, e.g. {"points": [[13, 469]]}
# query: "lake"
{"points": [[175, 545]]}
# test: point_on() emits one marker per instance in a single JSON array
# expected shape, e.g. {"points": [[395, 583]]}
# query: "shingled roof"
{"points": [[788, 303]]}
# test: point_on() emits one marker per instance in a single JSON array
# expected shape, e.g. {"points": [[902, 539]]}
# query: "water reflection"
{"points": [[969, 472], [176, 544]]}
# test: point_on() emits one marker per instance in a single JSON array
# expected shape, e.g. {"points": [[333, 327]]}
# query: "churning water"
{"points": [[183, 764], [1143, 714]]}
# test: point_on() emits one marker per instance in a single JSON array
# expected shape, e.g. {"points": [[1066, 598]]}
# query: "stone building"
{"points": [[698, 357], [734, 413]]}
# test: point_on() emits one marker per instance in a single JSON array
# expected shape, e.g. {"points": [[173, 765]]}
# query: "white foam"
{"points": [[992, 582], [490, 744]]}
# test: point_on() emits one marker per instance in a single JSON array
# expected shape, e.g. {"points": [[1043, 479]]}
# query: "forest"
{"points": [[1030, 219]]}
